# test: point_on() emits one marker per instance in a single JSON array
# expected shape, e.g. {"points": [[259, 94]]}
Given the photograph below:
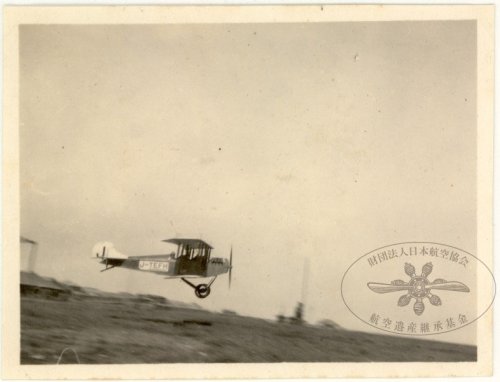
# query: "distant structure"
{"points": [[34, 285], [327, 323], [298, 317], [299, 310], [33, 248]]}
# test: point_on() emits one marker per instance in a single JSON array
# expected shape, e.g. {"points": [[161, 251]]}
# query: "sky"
{"points": [[285, 141]]}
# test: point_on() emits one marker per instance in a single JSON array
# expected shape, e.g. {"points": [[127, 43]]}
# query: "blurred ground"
{"points": [[111, 331]]}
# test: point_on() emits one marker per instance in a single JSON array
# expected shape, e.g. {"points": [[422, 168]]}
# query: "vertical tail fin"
{"points": [[106, 250]]}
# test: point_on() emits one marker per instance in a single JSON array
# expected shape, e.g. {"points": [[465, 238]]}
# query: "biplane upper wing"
{"points": [[193, 243]]}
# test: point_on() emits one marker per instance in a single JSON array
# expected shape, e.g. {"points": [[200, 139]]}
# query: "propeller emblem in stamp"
{"points": [[418, 288]]}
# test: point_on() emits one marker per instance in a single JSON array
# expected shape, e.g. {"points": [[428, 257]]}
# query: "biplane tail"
{"points": [[106, 250]]}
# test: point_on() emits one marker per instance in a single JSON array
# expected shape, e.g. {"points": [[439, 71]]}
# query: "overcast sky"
{"points": [[287, 141]]}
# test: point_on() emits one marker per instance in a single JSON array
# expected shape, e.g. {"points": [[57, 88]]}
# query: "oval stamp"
{"points": [[418, 288]]}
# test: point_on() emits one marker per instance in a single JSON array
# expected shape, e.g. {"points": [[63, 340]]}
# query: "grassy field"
{"points": [[104, 331]]}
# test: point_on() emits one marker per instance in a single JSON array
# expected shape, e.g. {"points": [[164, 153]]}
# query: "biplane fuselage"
{"points": [[165, 265]]}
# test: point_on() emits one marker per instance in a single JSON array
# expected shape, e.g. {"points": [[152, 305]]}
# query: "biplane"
{"points": [[192, 259]]}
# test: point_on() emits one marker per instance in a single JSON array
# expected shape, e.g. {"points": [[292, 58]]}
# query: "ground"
{"points": [[111, 331]]}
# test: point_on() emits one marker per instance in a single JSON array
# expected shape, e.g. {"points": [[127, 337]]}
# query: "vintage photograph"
{"points": [[251, 192]]}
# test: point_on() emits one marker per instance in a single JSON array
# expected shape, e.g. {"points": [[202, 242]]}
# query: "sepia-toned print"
{"points": [[206, 187]]}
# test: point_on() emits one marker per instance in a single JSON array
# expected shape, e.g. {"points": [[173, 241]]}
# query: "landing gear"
{"points": [[200, 290]]}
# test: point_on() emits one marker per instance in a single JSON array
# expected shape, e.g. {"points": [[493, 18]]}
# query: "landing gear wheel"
{"points": [[202, 290]]}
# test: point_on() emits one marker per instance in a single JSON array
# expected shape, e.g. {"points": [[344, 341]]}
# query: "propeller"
{"points": [[230, 265], [440, 284], [454, 286], [387, 288]]}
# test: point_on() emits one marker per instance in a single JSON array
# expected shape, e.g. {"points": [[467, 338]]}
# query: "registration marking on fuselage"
{"points": [[151, 265]]}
